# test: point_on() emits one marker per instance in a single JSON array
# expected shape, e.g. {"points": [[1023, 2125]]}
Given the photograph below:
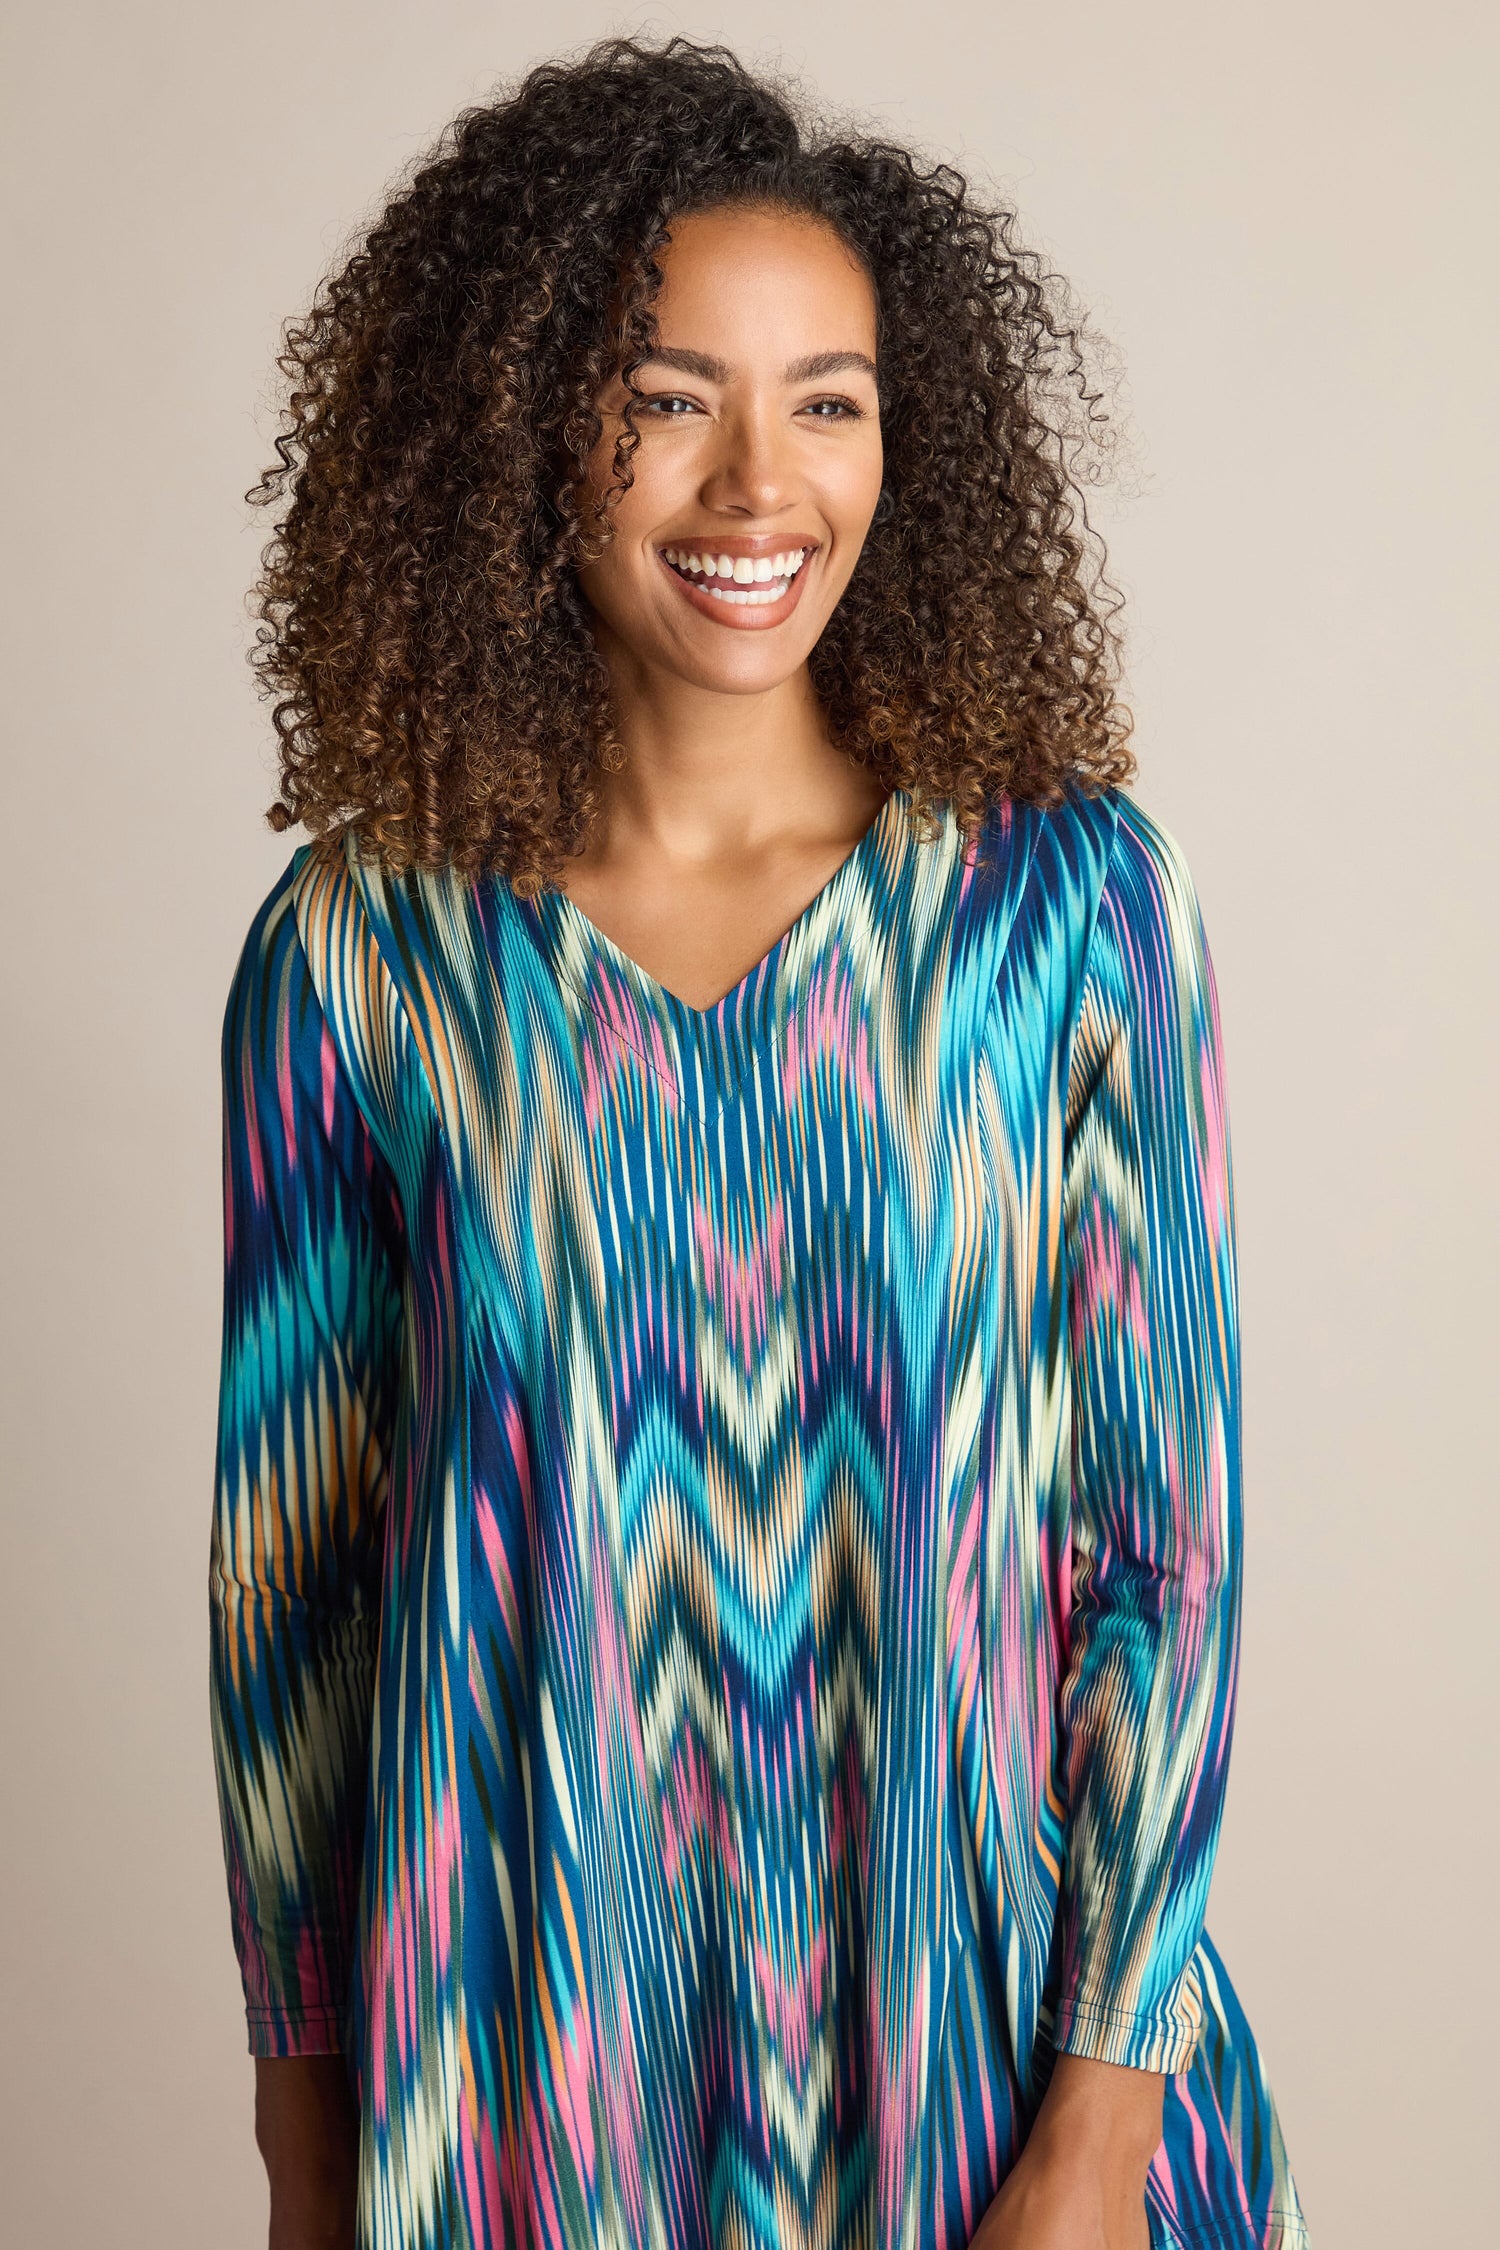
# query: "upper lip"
{"points": [[728, 543]]}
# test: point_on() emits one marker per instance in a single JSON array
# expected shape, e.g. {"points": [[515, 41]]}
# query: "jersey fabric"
{"points": [[726, 1567]]}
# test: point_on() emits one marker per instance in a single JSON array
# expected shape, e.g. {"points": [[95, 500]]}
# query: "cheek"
{"points": [[600, 475], [849, 501], [855, 487], [635, 513], [608, 577]]}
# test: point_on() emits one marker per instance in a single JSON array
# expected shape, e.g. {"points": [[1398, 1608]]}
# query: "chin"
{"points": [[756, 675]]}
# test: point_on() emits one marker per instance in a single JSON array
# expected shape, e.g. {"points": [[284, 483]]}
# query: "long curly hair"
{"points": [[437, 688]]}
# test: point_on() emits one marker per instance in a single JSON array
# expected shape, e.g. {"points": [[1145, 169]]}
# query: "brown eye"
{"points": [[664, 405]]}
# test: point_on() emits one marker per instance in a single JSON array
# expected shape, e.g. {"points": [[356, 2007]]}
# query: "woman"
{"points": [[726, 1570]]}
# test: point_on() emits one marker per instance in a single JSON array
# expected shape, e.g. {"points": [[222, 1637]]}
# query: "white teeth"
{"points": [[762, 578]]}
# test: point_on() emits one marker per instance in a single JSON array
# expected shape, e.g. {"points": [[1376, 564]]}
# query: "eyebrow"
{"points": [[812, 369]]}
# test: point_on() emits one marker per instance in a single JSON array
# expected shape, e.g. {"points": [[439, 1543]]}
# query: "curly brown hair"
{"points": [[437, 688]]}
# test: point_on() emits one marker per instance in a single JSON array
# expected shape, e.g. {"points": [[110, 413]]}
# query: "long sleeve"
{"points": [[308, 1393], [1148, 1694]]}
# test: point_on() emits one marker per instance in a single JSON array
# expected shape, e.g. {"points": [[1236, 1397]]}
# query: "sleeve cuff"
{"points": [[1140, 2042], [281, 2034]]}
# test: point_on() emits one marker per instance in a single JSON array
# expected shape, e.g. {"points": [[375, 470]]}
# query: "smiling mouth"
{"points": [[738, 581]]}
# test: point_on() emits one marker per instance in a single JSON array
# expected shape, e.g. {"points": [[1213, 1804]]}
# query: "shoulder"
{"points": [[269, 948], [273, 999], [1146, 943], [1147, 861], [1110, 854], [1062, 853], [313, 865], [1099, 884], [320, 904], [273, 1025], [1149, 917]]}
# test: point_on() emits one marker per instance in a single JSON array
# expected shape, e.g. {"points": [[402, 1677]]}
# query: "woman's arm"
{"points": [[1148, 1692], [308, 1391], [307, 2131], [1080, 2181]]}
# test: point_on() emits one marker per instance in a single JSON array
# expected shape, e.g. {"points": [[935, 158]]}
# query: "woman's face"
{"points": [[759, 461]]}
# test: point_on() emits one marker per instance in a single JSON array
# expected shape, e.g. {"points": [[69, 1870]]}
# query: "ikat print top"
{"points": [[727, 1556]]}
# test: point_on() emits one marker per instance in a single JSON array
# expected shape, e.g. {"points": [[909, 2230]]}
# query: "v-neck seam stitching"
{"points": [[567, 975], [673, 1085], [754, 1051]]}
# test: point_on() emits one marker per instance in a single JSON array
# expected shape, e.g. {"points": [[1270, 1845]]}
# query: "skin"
{"points": [[732, 809], [307, 2131]]}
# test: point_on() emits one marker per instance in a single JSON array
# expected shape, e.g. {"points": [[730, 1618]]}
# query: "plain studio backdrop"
{"points": [[1281, 220]]}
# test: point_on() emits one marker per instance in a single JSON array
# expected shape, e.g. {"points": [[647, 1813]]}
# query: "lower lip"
{"points": [[744, 617]]}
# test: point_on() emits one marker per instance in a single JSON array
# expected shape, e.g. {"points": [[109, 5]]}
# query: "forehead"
{"points": [[753, 284]]}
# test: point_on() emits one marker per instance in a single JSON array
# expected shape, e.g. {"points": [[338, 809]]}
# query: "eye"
{"points": [[668, 406], [834, 410]]}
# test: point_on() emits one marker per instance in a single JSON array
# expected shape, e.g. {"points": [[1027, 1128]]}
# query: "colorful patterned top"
{"points": [[726, 1572]]}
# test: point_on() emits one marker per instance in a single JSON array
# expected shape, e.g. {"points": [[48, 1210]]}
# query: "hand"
{"points": [[307, 2129], [1080, 2181]]}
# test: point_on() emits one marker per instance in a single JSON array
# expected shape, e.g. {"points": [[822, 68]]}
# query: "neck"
{"points": [[704, 769]]}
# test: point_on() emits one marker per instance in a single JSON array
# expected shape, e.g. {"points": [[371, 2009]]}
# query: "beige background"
{"points": [[1281, 217]]}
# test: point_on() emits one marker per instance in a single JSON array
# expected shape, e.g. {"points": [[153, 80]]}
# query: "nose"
{"points": [[753, 471]]}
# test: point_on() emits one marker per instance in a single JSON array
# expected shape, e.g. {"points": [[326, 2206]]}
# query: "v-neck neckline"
{"points": [[627, 964], [704, 1052]]}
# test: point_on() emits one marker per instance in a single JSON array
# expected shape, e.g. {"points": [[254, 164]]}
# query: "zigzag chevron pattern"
{"points": [[726, 1577]]}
